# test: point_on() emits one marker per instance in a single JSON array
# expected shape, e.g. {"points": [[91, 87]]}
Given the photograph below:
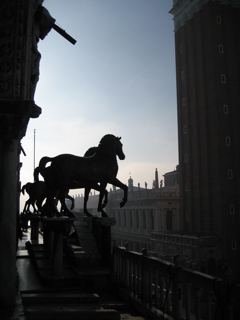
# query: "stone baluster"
{"points": [[57, 255], [188, 300], [176, 289], [134, 276], [144, 277], [157, 291], [161, 292], [150, 286], [139, 272], [209, 296], [198, 292]]}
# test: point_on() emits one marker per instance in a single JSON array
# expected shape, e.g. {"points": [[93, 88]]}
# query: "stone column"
{"points": [[8, 209], [16, 108]]}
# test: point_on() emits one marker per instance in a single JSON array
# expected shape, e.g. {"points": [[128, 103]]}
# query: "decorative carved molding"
{"points": [[16, 18]]}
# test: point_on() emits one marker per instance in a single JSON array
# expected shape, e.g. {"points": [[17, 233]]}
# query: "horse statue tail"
{"points": [[41, 168], [26, 187], [23, 189]]}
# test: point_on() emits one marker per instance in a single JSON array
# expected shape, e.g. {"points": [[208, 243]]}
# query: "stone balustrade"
{"points": [[165, 290]]}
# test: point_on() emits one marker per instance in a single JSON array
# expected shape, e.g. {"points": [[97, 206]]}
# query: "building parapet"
{"points": [[161, 289]]}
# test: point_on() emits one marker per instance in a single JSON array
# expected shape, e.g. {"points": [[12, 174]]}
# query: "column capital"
{"points": [[14, 117]]}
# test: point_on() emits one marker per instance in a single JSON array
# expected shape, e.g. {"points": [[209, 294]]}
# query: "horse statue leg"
{"points": [[101, 195], [122, 186], [25, 206], [62, 196], [86, 197], [72, 200], [105, 199]]}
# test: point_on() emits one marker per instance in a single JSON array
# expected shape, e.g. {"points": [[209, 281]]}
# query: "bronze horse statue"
{"points": [[47, 174], [37, 192], [70, 172]]}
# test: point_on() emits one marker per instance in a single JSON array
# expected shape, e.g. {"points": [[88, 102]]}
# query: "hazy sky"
{"points": [[118, 78]]}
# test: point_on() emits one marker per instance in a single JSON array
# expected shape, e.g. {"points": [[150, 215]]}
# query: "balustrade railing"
{"points": [[163, 290]]}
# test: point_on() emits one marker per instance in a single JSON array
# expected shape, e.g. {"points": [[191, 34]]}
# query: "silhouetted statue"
{"points": [[70, 172], [49, 210], [43, 22], [37, 192]]}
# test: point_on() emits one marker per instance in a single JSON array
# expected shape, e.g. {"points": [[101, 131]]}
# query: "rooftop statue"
{"points": [[49, 211], [43, 22], [37, 192], [68, 171]]}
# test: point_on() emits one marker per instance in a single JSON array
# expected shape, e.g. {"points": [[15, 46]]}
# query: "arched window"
{"points": [[223, 78], [230, 174], [219, 20], [137, 219], [234, 245], [130, 218], [144, 220], [151, 220], [228, 141], [220, 48], [169, 220], [225, 109], [232, 209], [211, 266]]}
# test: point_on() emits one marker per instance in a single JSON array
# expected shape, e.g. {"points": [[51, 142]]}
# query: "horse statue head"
{"points": [[111, 146]]}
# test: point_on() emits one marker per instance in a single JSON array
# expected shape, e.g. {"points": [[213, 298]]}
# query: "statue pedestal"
{"points": [[101, 229], [34, 224], [55, 229]]}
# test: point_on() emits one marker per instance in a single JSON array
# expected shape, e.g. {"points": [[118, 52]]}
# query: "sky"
{"points": [[119, 78]]}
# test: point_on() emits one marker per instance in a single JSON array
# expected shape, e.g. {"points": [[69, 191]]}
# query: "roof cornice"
{"points": [[183, 10]]}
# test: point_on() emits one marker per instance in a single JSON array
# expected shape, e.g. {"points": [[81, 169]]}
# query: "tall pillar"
{"points": [[16, 108], [8, 191]]}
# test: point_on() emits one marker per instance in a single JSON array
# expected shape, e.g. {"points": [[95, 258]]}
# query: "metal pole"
{"points": [[34, 148]]}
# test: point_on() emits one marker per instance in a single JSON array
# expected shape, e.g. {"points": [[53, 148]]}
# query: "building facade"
{"points": [[147, 212], [207, 44]]}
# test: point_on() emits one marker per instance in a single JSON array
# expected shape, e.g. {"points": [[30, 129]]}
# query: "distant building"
{"points": [[147, 211], [207, 44], [92, 203]]}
